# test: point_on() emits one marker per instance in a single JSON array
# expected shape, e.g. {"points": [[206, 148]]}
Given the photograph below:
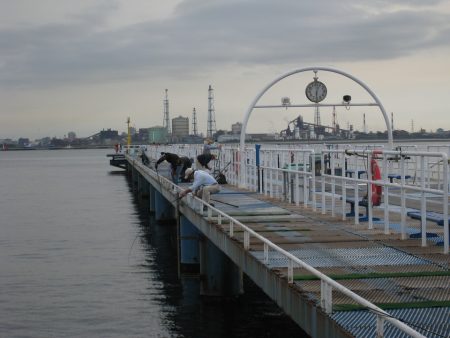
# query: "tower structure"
{"points": [[364, 124], [317, 116], [211, 125], [166, 121], [334, 120], [128, 134], [392, 121], [194, 122]]}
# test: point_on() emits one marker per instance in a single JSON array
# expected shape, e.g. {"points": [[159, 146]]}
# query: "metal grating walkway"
{"points": [[435, 322], [344, 257]]}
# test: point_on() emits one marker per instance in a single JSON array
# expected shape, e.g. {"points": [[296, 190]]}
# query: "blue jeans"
{"points": [[176, 177]]}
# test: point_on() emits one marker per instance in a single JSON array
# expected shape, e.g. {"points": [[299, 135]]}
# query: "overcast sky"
{"points": [[87, 65]]}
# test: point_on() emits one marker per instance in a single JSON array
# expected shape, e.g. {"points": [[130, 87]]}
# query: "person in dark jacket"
{"points": [[178, 165], [145, 159], [203, 161]]}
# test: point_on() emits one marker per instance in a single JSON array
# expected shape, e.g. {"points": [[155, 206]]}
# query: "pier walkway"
{"points": [[333, 277]]}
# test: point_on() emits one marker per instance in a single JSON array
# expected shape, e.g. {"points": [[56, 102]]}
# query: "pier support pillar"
{"points": [[140, 184], [164, 211], [189, 246], [144, 191], [134, 179], [152, 199], [219, 276]]}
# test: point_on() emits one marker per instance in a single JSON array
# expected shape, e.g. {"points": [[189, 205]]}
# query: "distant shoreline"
{"points": [[56, 148], [359, 141]]}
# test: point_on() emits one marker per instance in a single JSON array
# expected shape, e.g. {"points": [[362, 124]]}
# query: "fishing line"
{"points": [[131, 248]]}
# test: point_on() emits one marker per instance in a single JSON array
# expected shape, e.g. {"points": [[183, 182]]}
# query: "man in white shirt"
{"points": [[203, 186]]}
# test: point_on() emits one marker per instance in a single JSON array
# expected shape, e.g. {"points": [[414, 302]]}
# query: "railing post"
{"points": [[370, 189], [322, 170], [343, 187], [333, 185], [291, 271], [380, 326], [445, 202], [423, 204], [403, 198], [386, 195], [258, 164], [313, 180], [266, 253], [246, 240], [326, 301]]}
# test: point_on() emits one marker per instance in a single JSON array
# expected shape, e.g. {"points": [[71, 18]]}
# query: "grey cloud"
{"points": [[210, 33]]}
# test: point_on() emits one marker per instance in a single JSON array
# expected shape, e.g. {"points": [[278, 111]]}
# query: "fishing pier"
{"points": [[337, 267], [349, 240]]}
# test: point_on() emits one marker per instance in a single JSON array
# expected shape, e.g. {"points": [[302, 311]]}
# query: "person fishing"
{"points": [[210, 145], [203, 185], [203, 161], [178, 165], [144, 157]]}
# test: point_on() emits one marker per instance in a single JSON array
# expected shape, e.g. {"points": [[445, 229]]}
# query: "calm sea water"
{"points": [[80, 258]]}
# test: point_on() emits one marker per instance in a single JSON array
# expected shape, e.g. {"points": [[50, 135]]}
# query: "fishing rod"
{"points": [[176, 199], [232, 205], [220, 176], [224, 168]]}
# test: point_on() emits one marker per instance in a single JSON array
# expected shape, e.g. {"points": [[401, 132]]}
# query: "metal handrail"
{"points": [[274, 184]]}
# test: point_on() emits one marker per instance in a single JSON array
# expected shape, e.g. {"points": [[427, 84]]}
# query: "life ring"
{"points": [[376, 176]]}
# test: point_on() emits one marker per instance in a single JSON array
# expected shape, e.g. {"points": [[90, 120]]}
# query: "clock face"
{"points": [[316, 91]]}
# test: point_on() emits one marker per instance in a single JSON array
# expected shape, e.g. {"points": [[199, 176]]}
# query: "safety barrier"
{"points": [[341, 173], [327, 284], [419, 182]]}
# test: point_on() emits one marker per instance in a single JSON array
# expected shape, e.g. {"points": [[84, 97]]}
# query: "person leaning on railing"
{"points": [[203, 185], [178, 165], [203, 161]]}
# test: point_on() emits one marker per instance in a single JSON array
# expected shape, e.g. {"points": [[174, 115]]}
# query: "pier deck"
{"points": [[410, 281]]}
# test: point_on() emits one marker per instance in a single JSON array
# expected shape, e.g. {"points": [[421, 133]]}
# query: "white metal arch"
{"points": [[296, 71]]}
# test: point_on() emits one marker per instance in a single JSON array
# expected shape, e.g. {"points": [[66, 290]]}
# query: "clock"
{"points": [[316, 91]]}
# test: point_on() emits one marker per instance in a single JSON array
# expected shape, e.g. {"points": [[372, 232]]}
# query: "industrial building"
{"points": [[180, 127], [157, 134]]}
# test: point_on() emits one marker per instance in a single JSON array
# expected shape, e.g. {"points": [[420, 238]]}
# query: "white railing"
{"points": [[292, 174], [398, 180], [288, 174], [327, 284]]}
